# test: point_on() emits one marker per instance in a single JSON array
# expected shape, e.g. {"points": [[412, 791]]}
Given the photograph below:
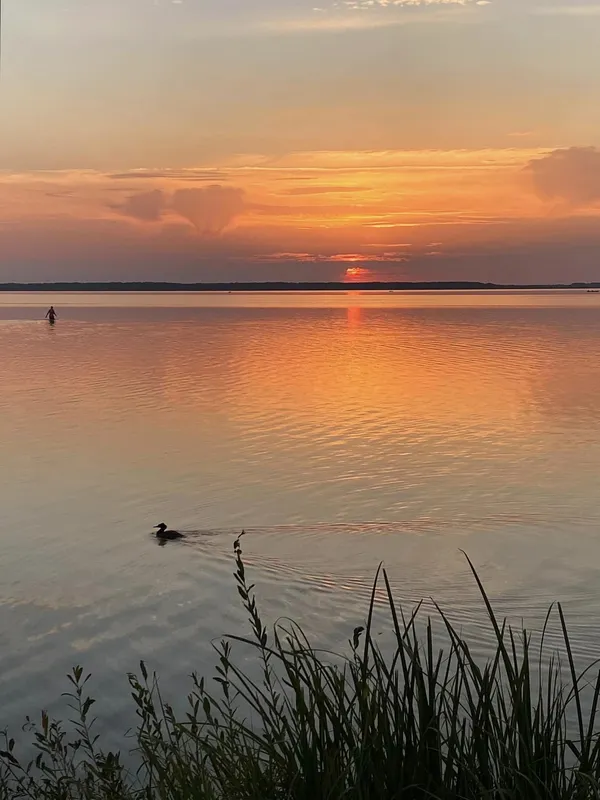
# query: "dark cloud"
{"points": [[192, 175], [61, 193], [147, 206], [571, 175], [210, 210]]}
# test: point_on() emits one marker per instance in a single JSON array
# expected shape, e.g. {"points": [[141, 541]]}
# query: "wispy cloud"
{"points": [[569, 10], [308, 190], [332, 258], [191, 175], [365, 14], [370, 4]]}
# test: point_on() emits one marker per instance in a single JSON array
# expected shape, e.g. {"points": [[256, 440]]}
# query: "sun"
{"points": [[356, 274]]}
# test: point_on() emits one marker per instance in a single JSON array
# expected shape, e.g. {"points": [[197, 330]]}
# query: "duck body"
{"points": [[165, 534]]}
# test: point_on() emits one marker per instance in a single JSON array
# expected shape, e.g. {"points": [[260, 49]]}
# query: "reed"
{"points": [[419, 722]]}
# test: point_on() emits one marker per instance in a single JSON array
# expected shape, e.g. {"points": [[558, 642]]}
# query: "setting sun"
{"points": [[356, 273]]}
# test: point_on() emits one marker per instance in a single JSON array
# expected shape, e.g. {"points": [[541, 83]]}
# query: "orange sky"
{"points": [[415, 139]]}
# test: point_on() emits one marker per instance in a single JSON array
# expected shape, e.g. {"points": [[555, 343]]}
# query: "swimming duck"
{"points": [[163, 533]]}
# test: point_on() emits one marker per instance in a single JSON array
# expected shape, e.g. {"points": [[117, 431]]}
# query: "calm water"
{"points": [[339, 430]]}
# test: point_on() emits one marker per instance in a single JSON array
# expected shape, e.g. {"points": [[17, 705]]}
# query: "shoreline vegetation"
{"points": [[418, 722], [282, 286]]}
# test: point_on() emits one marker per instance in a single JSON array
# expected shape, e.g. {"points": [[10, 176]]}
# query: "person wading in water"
{"points": [[51, 315]]}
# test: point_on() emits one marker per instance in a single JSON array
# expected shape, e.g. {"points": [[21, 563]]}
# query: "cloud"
{"points": [[592, 10], [211, 209], [302, 190], [546, 250], [330, 258], [571, 175], [473, 202], [146, 206], [368, 4], [349, 15], [195, 175]]}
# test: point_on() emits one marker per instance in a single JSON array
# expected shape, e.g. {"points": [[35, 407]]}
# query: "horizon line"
{"points": [[215, 286]]}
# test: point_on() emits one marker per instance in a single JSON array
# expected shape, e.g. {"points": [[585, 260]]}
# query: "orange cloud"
{"points": [[310, 211]]}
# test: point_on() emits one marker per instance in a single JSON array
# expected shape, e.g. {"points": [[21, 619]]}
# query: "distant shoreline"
{"points": [[281, 286]]}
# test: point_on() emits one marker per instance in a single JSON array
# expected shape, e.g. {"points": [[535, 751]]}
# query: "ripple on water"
{"points": [[400, 435]]}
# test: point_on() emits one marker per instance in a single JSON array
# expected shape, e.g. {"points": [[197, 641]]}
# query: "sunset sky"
{"points": [[300, 139]]}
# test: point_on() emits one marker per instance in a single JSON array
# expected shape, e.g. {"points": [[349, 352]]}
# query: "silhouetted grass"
{"points": [[419, 723]]}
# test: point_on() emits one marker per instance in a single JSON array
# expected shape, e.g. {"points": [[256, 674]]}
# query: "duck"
{"points": [[163, 533]]}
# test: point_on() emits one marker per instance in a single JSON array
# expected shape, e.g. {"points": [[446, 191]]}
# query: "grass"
{"points": [[419, 722]]}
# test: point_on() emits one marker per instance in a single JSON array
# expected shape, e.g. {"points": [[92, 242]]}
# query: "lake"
{"points": [[340, 430]]}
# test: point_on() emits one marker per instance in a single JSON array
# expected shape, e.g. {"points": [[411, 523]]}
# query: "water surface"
{"points": [[339, 429]]}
